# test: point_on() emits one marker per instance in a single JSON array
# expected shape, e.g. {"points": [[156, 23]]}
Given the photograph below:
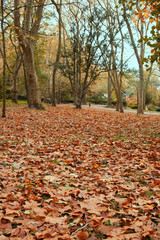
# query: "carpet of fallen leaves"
{"points": [[79, 174]]}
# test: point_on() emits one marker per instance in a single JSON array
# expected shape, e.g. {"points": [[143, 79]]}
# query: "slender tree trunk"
{"points": [[141, 74], [4, 61], [14, 90], [74, 71], [119, 94], [139, 60], [109, 91], [54, 89], [57, 57], [140, 94]]}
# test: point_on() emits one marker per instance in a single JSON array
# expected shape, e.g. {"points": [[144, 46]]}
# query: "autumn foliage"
{"points": [[79, 174]]}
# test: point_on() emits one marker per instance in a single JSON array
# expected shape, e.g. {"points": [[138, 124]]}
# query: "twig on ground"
{"points": [[81, 227]]}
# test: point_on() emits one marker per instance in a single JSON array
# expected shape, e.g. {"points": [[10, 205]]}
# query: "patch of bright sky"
{"points": [[128, 52]]}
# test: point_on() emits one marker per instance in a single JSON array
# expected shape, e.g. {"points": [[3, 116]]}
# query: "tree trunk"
{"points": [[117, 104], [14, 90], [58, 55], [33, 91], [144, 99], [15, 76], [25, 80], [139, 59], [59, 93], [26, 29], [4, 62], [84, 100], [54, 89], [79, 104], [120, 103], [109, 91], [119, 94], [140, 94]]}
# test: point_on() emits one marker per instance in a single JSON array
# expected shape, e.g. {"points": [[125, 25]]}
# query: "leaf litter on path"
{"points": [[79, 174]]}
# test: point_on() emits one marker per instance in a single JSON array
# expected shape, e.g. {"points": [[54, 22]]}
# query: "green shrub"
{"points": [[152, 108], [132, 105], [97, 100]]}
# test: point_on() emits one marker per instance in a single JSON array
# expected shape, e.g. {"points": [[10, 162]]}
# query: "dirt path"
{"points": [[125, 110]]}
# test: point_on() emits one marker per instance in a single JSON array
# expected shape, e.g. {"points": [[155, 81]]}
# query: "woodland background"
{"points": [[89, 51]]}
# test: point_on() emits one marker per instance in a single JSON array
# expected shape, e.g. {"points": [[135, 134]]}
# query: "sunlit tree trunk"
{"points": [[139, 57]]}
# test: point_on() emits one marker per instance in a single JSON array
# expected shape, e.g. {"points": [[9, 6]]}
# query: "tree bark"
{"points": [[119, 104], [109, 91], [140, 94], [14, 90], [139, 60], [58, 54], [4, 62], [27, 44], [32, 86], [15, 76]]}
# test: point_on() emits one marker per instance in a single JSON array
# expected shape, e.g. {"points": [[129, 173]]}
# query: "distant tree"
{"points": [[139, 54], [144, 13], [82, 55], [114, 62]]}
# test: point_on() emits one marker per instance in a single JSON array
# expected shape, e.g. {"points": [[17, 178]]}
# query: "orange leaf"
{"points": [[67, 161], [82, 235], [95, 165]]}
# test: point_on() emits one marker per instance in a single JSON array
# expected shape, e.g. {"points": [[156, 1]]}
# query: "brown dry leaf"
{"points": [[6, 226], [82, 235], [51, 178], [12, 212], [19, 232], [39, 211], [56, 220], [106, 229]]}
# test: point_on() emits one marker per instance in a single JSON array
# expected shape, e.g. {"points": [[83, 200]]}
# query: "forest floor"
{"points": [[79, 174]]}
